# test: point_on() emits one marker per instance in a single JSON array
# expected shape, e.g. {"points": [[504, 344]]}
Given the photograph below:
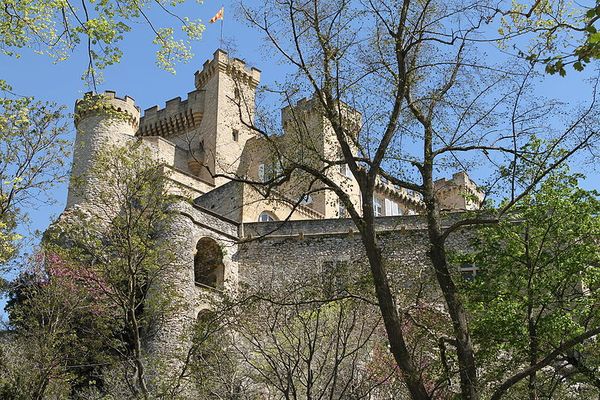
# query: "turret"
{"points": [[229, 86], [459, 193], [99, 120]]}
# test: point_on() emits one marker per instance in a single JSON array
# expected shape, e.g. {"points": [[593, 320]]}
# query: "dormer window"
{"points": [[266, 216], [306, 200]]}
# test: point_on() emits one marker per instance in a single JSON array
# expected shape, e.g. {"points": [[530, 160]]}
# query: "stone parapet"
{"points": [[233, 67], [339, 226], [177, 117], [413, 198], [311, 106], [184, 184], [106, 102]]}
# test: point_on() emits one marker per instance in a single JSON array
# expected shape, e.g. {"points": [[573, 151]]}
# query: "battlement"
{"points": [[233, 67], [459, 193], [177, 117], [338, 226], [309, 106], [382, 185], [459, 179], [306, 105], [106, 103]]}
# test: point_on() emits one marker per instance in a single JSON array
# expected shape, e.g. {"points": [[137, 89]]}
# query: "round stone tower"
{"points": [[100, 120]]}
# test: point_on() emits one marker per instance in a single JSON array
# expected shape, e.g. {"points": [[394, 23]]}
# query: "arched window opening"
{"points": [[266, 216], [208, 263], [206, 319], [206, 338]]}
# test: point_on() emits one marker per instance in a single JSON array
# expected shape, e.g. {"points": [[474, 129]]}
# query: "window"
{"points": [[391, 208], [207, 323], [306, 200], [266, 216], [235, 135], [208, 263], [334, 277], [377, 207], [468, 271], [267, 172], [342, 212], [345, 170]]}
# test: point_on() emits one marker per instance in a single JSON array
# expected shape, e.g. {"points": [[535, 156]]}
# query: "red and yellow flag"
{"points": [[218, 16]]}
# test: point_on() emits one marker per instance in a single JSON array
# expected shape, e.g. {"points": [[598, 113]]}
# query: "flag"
{"points": [[218, 16]]}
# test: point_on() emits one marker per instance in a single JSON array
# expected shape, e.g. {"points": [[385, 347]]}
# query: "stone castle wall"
{"points": [[296, 250]]}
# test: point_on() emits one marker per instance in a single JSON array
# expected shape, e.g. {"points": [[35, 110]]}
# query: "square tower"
{"points": [[229, 91]]}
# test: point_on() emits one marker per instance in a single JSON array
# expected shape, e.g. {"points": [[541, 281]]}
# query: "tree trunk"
{"points": [[458, 314], [387, 306]]}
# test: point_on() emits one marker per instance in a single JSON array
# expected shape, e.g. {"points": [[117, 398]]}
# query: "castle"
{"points": [[210, 153]]}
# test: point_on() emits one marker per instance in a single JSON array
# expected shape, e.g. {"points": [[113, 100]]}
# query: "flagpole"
{"points": [[222, 19]]}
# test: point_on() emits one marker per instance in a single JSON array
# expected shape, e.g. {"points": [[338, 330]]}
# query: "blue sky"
{"points": [[138, 76]]}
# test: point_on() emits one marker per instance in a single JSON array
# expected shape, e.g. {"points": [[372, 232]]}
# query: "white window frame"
{"points": [[345, 170], [377, 207], [391, 208], [468, 271]]}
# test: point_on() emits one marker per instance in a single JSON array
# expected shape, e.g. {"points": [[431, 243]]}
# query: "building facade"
{"points": [[214, 158]]}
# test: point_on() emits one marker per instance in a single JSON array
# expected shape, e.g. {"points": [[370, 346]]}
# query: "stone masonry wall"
{"points": [[172, 339], [301, 248]]}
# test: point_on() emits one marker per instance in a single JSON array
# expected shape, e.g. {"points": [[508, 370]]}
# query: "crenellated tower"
{"points": [[209, 128], [230, 89], [100, 120]]}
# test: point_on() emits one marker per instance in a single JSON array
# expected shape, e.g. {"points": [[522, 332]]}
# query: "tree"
{"points": [[295, 339], [33, 149], [536, 287], [429, 100], [56, 28], [555, 34], [60, 323], [116, 236]]}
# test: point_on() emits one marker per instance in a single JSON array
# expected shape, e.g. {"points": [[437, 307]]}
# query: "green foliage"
{"points": [[108, 260], [61, 328], [563, 34], [538, 276], [98, 103], [33, 153], [56, 27], [119, 235]]}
